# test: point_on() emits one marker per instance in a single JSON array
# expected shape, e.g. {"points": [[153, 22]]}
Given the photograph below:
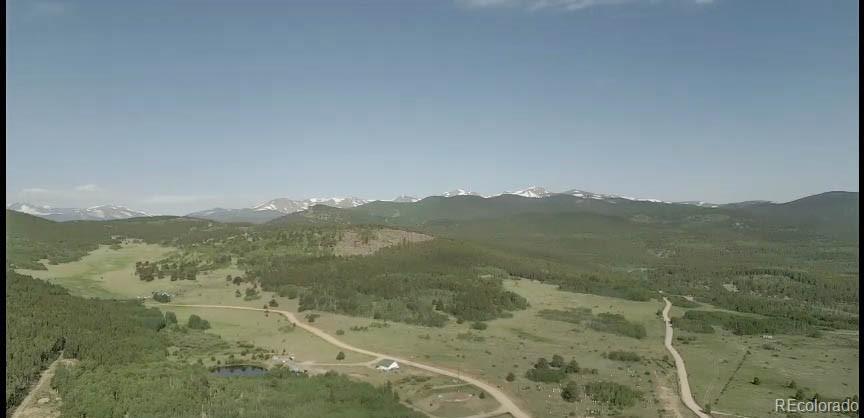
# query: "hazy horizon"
{"points": [[171, 107]]}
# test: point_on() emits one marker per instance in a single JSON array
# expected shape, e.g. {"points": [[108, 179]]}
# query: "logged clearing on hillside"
{"points": [[369, 241]]}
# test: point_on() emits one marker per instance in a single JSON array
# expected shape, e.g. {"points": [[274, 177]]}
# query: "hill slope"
{"points": [[245, 215], [834, 213], [30, 238]]}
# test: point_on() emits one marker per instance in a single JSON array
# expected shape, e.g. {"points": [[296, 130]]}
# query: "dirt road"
{"points": [[683, 383], [28, 406], [507, 404]]}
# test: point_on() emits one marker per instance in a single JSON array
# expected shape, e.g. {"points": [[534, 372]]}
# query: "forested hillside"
{"points": [[420, 283], [833, 214], [797, 261], [42, 320], [436, 208], [791, 273], [124, 369], [30, 239]]}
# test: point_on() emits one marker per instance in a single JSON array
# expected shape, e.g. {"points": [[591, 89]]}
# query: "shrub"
{"points": [[545, 375], [557, 361], [570, 393], [623, 356], [612, 393], [196, 322]]}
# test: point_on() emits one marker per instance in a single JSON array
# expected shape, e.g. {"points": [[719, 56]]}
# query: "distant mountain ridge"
{"points": [[832, 213], [275, 208], [831, 210], [244, 215], [93, 213], [405, 205]]}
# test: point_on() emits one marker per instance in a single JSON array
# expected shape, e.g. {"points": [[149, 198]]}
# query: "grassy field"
{"points": [[271, 332], [825, 365], [110, 274], [106, 273], [274, 334], [427, 392], [514, 344]]}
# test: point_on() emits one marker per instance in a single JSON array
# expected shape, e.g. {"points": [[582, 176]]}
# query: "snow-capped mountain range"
{"points": [[537, 192], [286, 205], [275, 208], [94, 213]]}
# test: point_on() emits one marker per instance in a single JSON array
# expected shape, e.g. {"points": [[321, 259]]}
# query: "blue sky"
{"points": [[173, 106]]}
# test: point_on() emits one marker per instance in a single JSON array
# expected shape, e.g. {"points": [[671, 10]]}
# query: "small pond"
{"points": [[238, 370]]}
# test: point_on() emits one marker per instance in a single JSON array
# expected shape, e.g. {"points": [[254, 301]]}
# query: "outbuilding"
{"points": [[387, 365]]}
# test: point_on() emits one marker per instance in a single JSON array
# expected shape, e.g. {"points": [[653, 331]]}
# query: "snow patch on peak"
{"points": [[406, 199], [460, 192], [607, 197], [35, 210], [101, 212], [534, 192], [700, 203]]}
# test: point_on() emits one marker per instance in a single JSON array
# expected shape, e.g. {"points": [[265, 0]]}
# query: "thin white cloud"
{"points": [[75, 191], [88, 188], [177, 198], [560, 5], [61, 197], [489, 3], [35, 190]]}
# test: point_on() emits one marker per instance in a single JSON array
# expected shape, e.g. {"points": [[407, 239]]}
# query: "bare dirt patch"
{"points": [[43, 401], [667, 396], [369, 241]]}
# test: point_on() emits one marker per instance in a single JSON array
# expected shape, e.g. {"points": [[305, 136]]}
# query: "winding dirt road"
{"points": [[507, 404], [683, 383]]}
